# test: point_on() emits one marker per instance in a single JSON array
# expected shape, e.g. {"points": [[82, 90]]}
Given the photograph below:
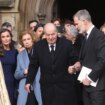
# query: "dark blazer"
{"points": [[57, 85], [93, 57]]}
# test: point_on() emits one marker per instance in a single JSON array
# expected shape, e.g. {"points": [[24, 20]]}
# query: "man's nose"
{"points": [[50, 36]]}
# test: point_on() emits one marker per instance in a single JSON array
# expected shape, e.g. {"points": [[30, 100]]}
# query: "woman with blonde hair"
{"points": [[26, 40]]}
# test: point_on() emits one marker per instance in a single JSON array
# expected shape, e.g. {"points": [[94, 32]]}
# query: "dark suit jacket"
{"points": [[57, 85], [93, 57]]}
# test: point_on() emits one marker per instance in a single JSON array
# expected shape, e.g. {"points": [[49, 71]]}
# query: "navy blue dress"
{"points": [[9, 65]]}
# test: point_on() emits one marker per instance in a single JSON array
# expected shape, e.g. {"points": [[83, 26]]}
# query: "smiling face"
{"points": [[6, 38]]}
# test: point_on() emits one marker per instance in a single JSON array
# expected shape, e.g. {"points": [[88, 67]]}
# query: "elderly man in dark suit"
{"points": [[53, 55], [92, 56]]}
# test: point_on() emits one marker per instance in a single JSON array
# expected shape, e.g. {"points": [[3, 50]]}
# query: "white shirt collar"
{"points": [[89, 31], [53, 45]]}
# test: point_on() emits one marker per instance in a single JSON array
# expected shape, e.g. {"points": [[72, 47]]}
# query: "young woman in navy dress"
{"points": [[8, 56]]}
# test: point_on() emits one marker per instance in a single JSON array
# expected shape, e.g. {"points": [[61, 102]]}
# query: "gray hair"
{"points": [[83, 15], [73, 30]]}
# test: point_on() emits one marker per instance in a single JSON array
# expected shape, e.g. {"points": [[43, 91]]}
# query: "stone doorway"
{"points": [[34, 9], [66, 9]]}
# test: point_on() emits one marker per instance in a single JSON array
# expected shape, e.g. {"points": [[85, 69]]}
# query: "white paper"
{"points": [[84, 73]]}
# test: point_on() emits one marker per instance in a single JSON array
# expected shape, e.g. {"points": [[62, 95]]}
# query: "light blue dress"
{"points": [[22, 64]]}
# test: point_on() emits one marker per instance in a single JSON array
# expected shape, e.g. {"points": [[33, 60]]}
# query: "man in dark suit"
{"points": [[57, 86], [92, 56]]}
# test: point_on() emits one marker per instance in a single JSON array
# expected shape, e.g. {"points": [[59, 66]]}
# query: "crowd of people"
{"points": [[42, 66]]}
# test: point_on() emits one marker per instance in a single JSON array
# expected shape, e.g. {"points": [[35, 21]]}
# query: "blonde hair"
{"points": [[31, 33]]}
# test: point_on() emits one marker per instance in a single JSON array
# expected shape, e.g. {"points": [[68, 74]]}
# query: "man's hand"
{"points": [[86, 82], [77, 66], [27, 87], [20, 49], [71, 69], [25, 71]]}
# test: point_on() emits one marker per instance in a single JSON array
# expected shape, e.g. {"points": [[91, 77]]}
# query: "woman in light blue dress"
{"points": [[23, 59]]}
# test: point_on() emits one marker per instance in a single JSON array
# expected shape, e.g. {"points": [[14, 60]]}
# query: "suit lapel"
{"points": [[87, 44], [82, 48], [89, 40], [58, 48], [47, 51]]}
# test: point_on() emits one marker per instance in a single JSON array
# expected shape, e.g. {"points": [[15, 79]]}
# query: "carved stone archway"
{"points": [[29, 10], [46, 7]]}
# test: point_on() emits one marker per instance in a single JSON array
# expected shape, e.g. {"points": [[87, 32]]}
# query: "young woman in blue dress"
{"points": [[8, 58]]}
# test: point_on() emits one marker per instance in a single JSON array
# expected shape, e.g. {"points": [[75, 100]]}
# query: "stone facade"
{"points": [[26, 10]]}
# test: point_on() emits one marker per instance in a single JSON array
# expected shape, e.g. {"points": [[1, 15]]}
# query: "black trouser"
{"points": [[94, 98]]}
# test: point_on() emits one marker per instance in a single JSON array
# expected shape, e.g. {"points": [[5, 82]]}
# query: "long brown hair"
{"points": [[1, 44]]}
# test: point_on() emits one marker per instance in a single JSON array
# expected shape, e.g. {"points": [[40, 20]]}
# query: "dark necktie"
{"points": [[85, 39], [86, 36], [52, 52], [83, 47]]}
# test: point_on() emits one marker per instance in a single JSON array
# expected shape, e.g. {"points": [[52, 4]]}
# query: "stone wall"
{"points": [[26, 10], [10, 15]]}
